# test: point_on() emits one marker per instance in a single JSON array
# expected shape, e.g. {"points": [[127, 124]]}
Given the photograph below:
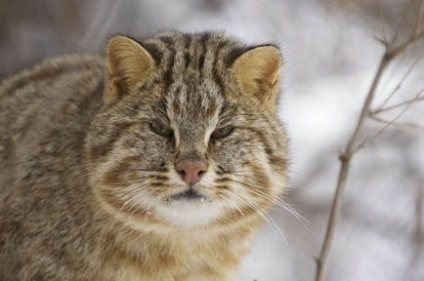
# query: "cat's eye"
{"points": [[222, 132], [161, 130]]}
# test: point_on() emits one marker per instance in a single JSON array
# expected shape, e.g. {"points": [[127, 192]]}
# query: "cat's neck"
{"points": [[176, 248], [176, 234]]}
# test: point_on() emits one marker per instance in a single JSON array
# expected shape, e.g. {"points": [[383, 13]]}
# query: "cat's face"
{"points": [[190, 152]]}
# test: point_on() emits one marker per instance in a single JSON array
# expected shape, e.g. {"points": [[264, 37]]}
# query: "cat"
{"points": [[155, 162]]}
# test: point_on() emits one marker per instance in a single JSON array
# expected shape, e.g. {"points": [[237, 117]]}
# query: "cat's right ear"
{"points": [[257, 72], [129, 65]]}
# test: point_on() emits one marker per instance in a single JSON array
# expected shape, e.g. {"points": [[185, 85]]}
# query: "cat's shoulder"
{"points": [[58, 94], [52, 68]]}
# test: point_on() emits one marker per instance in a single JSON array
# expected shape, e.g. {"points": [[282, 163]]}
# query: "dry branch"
{"points": [[391, 52], [402, 125], [399, 84], [417, 98]]}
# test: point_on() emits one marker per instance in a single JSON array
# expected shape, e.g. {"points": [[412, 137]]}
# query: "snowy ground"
{"points": [[330, 58]]}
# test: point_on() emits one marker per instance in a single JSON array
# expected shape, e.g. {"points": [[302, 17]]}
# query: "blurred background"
{"points": [[331, 51]]}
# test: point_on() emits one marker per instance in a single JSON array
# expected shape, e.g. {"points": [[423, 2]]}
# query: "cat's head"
{"points": [[188, 134]]}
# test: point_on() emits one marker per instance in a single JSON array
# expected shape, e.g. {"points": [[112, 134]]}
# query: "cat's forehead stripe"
{"points": [[203, 55], [216, 76], [183, 98]]}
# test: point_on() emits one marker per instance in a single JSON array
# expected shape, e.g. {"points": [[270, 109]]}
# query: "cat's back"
{"points": [[45, 107]]}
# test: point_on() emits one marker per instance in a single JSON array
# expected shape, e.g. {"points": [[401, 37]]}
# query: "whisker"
{"points": [[263, 214], [283, 205], [129, 195], [234, 205]]}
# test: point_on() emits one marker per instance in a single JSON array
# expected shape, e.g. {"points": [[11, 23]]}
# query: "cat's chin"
{"points": [[189, 210]]}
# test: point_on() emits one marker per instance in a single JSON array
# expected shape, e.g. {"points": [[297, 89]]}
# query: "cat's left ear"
{"points": [[257, 73], [128, 65]]}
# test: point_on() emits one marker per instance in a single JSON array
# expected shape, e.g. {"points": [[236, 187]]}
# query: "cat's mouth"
{"points": [[189, 195]]}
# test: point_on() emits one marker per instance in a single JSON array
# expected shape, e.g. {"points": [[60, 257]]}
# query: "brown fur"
{"points": [[87, 184]]}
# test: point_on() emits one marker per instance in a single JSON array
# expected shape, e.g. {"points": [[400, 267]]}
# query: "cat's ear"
{"points": [[257, 73], [128, 65]]}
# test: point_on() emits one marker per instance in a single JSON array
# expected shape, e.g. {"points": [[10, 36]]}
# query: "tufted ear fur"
{"points": [[128, 65], [257, 73]]}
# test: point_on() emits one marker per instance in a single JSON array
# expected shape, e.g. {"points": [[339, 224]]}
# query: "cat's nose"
{"points": [[191, 171]]}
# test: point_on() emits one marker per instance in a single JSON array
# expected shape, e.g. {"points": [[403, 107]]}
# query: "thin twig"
{"points": [[416, 35], [382, 129], [384, 40], [402, 125], [402, 47], [399, 84], [351, 148], [417, 98]]}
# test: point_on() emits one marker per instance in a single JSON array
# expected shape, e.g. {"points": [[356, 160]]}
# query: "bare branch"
{"points": [[394, 52], [417, 98], [383, 40], [381, 130], [402, 125], [415, 36], [400, 83], [333, 219], [351, 148]]}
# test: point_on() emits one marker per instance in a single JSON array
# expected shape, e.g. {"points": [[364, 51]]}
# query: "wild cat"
{"points": [[156, 162]]}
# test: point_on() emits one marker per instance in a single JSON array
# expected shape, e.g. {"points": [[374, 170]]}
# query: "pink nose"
{"points": [[191, 171]]}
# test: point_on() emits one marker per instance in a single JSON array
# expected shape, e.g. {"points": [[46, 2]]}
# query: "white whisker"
{"points": [[285, 206], [263, 214]]}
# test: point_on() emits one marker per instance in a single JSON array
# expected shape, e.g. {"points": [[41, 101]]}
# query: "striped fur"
{"points": [[87, 186]]}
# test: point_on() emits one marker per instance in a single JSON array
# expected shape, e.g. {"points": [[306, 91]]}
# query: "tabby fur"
{"points": [[87, 183]]}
